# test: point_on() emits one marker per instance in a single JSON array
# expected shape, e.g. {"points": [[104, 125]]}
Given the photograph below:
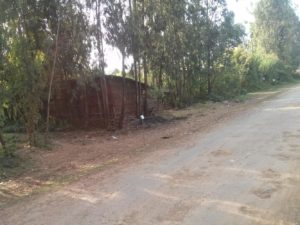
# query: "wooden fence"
{"points": [[81, 103]]}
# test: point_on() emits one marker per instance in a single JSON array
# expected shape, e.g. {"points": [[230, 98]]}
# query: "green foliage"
{"points": [[186, 50], [227, 87], [273, 69], [27, 43], [276, 30], [11, 143], [250, 71], [267, 59], [11, 167], [158, 93]]}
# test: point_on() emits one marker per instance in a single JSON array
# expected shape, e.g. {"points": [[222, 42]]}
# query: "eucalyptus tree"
{"points": [[25, 60], [31, 43], [96, 8], [175, 45], [230, 36], [276, 30], [180, 41], [3, 85], [2, 116], [195, 48], [133, 49], [74, 42], [218, 20], [117, 35]]}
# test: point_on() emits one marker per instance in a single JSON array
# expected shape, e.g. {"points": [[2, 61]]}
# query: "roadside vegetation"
{"points": [[185, 51]]}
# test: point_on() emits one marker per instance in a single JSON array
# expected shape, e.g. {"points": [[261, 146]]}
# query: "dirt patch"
{"points": [[270, 174], [289, 208], [220, 152], [249, 211], [185, 175], [294, 146], [266, 190], [177, 213], [129, 219], [282, 157]]}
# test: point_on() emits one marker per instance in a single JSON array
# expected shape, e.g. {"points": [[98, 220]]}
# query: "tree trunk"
{"points": [[209, 78], [99, 35], [133, 23], [2, 141], [183, 89], [27, 60], [103, 83], [100, 109], [122, 115], [160, 81], [136, 88], [145, 106], [86, 108], [209, 86], [146, 85], [139, 87], [7, 153], [105, 100], [51, 79]]}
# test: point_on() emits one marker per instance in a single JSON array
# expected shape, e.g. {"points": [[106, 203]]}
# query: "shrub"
{"points": [[250, 71], [228, 86]]}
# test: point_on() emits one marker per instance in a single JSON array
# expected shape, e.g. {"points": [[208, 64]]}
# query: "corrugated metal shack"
{"points": [[82, 103]]}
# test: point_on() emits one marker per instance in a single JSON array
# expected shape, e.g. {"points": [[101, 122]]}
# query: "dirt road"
{"points": [[246, 171]]}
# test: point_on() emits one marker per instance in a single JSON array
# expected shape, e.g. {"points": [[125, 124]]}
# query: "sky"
{"points": [[243, 10]]}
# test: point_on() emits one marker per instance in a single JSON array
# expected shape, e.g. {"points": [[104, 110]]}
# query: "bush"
{"points": [[274, 70], [10, 146], [227, 87], [250, 71]]}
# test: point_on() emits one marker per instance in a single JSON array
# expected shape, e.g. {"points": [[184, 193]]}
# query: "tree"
{"points": [[25, 61], [220, 35], [52, 76], [98, 38], [276, 30], [116, 25], [29, 48], [2, 141]]}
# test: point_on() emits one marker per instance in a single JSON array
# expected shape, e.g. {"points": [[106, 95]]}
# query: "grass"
{"points": [[14, 166], [16, 161]]}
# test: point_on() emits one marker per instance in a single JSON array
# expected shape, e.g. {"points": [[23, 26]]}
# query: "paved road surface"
{"points": [[245, 172]]}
